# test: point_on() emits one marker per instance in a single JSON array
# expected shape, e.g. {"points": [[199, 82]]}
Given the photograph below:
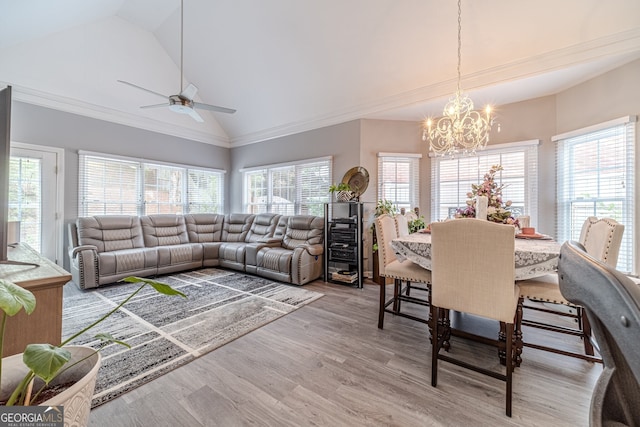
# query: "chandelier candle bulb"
{"points": [[482, 204]]}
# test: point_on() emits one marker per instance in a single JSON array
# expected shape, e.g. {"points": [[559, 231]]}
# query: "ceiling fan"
{"points": [[183, 103]]}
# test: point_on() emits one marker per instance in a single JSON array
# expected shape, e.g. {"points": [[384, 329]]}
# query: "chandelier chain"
{"points": [[459, 89], [461, 129]]}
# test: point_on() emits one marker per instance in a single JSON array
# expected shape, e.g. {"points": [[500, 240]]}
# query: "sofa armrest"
{"points": [[83, 261], [271, 240], [252, 249], [313, 250], [306, 264], [73, 252]]}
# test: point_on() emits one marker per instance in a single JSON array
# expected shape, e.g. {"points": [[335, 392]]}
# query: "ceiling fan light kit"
{"points": [[182, 103]]}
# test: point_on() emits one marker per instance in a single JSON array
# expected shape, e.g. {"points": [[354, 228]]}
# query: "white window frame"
{"points": [[297, 206], [529, 175], [138, 200], [606, 192], [389, 189]]}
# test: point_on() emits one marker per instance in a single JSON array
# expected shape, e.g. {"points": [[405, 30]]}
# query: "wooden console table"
{"points": [[44, 325]]}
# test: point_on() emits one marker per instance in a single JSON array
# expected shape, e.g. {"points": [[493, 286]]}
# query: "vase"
{"points": [[76, 399], [344, 196]]}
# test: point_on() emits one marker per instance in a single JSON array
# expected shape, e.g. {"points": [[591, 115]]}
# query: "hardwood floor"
{"points": [[328, 364]]}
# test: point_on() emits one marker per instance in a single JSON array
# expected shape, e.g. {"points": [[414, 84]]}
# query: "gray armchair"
{"points": [[297, 258]]}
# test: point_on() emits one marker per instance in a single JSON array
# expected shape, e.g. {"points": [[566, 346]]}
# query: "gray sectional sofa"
{"points": [[106, 248]]}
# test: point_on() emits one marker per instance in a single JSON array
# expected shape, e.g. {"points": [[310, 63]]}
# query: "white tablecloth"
{"points": [[533, 258]]}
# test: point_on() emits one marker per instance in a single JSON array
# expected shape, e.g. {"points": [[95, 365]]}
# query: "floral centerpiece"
{"points": [[497, 210]]}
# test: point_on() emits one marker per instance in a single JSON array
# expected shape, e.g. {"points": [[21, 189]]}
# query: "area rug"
{"points": [[166, 332]]}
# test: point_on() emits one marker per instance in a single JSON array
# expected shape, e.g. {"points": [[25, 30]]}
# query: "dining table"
{"points": [[534, 257]]}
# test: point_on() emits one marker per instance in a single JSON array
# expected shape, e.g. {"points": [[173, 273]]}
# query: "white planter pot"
{"points": [[76, 399]]}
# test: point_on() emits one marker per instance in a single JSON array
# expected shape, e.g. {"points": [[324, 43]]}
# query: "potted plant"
{"points": [[25, 377], [343, 191]]}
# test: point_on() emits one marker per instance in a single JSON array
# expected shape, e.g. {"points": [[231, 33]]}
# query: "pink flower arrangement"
{"points": [[497, 211]]}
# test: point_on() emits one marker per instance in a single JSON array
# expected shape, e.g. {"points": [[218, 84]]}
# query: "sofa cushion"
{"points": [[204, 228], [168, 234], [236, 227], [262, 228], [127, 262], [164, 230], [275, 259], [303, 230], [110, 232]]}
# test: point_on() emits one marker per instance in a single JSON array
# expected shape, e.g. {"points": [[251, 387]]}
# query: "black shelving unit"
{"points": [[343, 248]]}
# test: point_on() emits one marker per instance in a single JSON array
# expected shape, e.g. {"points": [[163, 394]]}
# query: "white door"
{"points": [[33, 198]]}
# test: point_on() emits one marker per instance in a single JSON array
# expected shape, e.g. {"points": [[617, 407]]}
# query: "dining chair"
{"points": [[391, 267], [612, 303], [473, 271], [402, 228], [602, 239]]}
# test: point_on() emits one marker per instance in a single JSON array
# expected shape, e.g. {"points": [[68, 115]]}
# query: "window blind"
{"points": [[205, 191], [121, 186], [295, 188], [595, 177], [451, 178], [109, 186], [399, 179]]}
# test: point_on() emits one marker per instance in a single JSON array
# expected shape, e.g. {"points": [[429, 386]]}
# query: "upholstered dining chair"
{"points": [[402, 228], [602, 239], [473, 271], [612, 303], [391, 267]]}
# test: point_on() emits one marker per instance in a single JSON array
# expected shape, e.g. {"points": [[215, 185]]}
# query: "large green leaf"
{"points": [[45, 360], [163, 288], [13, 298]]}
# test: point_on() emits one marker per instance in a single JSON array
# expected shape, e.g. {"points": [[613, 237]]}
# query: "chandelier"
{"points": [[461, 128]]}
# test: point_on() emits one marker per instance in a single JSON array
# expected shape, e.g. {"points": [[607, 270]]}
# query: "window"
{"points": [[25, 186], [288, 189], [399, 179], [121, 186], [595, 177], [451, 179]]}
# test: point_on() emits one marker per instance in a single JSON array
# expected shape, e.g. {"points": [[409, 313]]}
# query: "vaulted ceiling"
{"points": [[289, 65]]}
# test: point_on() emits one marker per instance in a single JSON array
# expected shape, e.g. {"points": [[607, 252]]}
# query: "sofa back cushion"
{"points": [[204, 228], [164, 230], [236, 227], [263, 226], [303, 230], [110, 232]]}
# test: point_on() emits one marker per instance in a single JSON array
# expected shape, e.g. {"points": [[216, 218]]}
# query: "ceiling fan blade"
{"points": [[155, 105], [141, 88], [194, 114], [214, 108], [189, 92]]}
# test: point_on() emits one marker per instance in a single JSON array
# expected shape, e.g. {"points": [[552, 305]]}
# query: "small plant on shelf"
{"points": [[343, 191]]}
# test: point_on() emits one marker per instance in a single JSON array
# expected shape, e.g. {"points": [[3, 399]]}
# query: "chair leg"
{"points": [[510, 363], [435, 344], [383, 297], [397, 290], [517, 339], [586, 332]]}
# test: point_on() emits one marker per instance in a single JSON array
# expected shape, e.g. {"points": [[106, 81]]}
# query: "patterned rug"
{"points": [[166, 332]]}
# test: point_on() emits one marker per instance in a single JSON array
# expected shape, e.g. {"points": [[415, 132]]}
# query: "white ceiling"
{"points": [[289, 65]]}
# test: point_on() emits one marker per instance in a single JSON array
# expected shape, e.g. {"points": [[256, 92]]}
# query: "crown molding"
{"points": [[626, 42], [74, 106]]}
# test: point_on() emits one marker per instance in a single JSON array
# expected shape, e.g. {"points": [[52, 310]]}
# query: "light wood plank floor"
{"points": [[328, 364]]}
